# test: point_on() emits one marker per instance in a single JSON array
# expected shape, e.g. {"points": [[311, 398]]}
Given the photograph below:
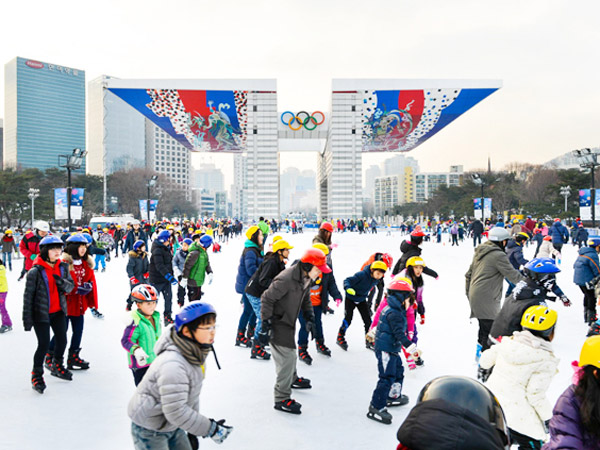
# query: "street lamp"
{"points": [[565, 191], [589, 160], [151, 182], [479, 181], [71, 162], [33, 194]]}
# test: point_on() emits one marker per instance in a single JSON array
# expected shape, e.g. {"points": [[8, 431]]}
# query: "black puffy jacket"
{"points": [[137, 265], [161, 263], [262, 278], [408, 250]]}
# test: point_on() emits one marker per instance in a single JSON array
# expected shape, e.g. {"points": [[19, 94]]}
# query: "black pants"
{"points": [[58, 323], [363, 309], [77, 323], [485, 326], [194, 293], [523, 441], [558, 247], [589, 302], [454, 239], [138, 374], [476, 239], [167, 292], [379, 288]]}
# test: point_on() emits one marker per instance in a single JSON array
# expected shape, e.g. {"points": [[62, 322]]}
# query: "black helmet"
{"points": [[471, 395]]}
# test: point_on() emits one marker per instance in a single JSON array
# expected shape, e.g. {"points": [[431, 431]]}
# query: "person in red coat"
{"points": [[83, 296], [30, 244]]}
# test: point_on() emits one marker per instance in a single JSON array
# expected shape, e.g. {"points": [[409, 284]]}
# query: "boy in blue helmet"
{"points": [[137, 268], [172, 420], [178, 263], [196, 269], [161, 271]]}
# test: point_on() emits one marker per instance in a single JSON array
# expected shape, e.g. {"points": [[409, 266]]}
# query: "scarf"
{"points": [[190, 350]]}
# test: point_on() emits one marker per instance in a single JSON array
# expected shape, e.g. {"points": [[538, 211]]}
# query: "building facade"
{"points": [[208, 177], [44, 113], [427, 183], [389, 192]]}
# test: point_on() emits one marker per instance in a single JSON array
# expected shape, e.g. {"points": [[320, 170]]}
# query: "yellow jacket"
{"points": [[3, 282]]}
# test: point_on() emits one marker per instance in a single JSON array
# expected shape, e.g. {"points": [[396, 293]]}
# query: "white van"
{"points": [[105, 221]]}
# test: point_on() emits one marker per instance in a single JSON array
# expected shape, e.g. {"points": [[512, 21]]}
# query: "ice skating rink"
{"points": [[90, 411]]}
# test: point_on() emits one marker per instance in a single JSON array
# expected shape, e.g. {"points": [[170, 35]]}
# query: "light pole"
{"points": [[479, 181], [151, 182], [565, 191], [589, 160], [71, 162], [33, 194]]}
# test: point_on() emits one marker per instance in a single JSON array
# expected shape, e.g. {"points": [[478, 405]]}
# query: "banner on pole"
{"points": [[61, 204], [585, 204], [144, 210], [487, 207]]}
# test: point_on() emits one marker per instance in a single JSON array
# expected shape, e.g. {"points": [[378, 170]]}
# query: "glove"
{"points": [[209, 278], [134, 281], [413, 350], [311, 329], [264, 333], [351, 291], [193, 441], [337, 302], [140, 356], [370, 337], [146, 275], [171, 279], [422, 322], [32, 257], [219, 431], [566, 302], [85, 288], [60, 282], [183, 283]]}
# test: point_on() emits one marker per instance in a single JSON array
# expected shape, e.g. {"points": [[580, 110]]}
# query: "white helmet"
{"points": [[41, 225], [135, 222], [498, 234]]}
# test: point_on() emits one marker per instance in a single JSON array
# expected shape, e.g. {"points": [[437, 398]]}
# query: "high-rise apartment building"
{"points": [[427, 183]]}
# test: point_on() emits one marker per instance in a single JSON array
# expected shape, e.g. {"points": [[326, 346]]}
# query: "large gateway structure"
{"points": [[242, 117]]}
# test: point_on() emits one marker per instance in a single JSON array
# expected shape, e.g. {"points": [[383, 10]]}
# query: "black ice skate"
{"points": [[60, 371], [74, 362], [241, 340], [250, 333], [259, 352], [370, 345], [48, 360], [322, 349], [303, 354], [379, 415], [402, 400], [301, 383], [289, 406], [341, 341], [37, 380], [168, 319], [419, 362], [5, 328]]}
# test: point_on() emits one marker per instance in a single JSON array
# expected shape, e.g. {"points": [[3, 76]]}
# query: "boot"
{"points": [[37, 380], [241, 340], [303, 354], [60, 371], [322, 349], [75, 362], [380, 415], [259, 352], [301, 383], [341, 340], [250, 333], [48, 360]]}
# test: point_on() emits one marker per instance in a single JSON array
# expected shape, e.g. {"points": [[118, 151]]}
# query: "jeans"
{"points": [[7, 258], [255, 302], [58, 323], [3, 311], [77, 322], [248, 318], [145, 439], [476, 239], [391, 372], [303, 334], [167, 292]]}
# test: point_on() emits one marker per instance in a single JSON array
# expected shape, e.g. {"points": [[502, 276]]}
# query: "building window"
{"points": [[353, 130], [254, 108], [254, 131], [353, 108]]}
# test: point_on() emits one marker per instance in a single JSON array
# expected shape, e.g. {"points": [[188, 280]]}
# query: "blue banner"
{"points": [[144, 210], [61, 205]]}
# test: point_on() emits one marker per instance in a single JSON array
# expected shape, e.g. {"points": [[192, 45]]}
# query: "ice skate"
{"points": [[379, 415], [289, 406], [402, 400], [303, 355], [301, 383]]}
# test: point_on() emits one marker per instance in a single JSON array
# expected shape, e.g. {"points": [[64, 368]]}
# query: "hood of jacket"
{"points": [[484, 249], [395, 302], [7, 238], [511, 244], [38, 261], [407, 245], [537, 351], [134, 254], [528, 288], [69, 260], [196, 246], [587, 251]]}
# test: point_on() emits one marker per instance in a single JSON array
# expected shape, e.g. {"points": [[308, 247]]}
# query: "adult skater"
{"points": [[587, 268], [477, 231], [133, 235], [161, 271], [559, 233]]}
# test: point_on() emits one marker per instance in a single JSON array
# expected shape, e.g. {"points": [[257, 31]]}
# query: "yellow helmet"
{"points": [[590, 352], [190, 230], [322, 247], [539, 319], [170, 227], [8, 232], [523, 234], [198, 231], [379, 265], [253, 229], [415, 261], [281, 244], [105, 230], [276, 238]]}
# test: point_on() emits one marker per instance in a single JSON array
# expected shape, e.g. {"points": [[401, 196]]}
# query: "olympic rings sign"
{"points": [[302, 119]]}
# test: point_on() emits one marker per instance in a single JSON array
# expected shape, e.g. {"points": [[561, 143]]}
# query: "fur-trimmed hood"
{"points": [[69, 260], [134, 254]]}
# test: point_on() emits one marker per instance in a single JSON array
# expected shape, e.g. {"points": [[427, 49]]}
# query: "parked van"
{"points": [[105, 221]]}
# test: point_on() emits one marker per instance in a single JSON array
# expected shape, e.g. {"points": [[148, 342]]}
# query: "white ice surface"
{"points": [[90, 411]]}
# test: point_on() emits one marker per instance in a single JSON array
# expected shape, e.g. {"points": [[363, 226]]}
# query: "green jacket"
{"points": [[196, 265], [141, 333], [264, 227]]}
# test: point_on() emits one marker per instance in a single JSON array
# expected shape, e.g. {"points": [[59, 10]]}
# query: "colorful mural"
{"points": [[400, 120], [212, 121]]}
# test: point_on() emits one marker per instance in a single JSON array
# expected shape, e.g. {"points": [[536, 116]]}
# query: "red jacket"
{"points": [[78, 304], [54, 296], [28, 247]]}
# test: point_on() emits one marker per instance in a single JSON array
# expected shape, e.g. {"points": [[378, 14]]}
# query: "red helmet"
{"points": [[387, 259], [144, 293], [317, 258], [418, 232], [401, 284], [326, 226]]}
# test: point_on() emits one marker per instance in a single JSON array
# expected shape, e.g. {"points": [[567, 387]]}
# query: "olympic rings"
{"points": [[302, 119]]}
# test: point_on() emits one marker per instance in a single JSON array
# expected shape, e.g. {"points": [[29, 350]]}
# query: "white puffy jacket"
{"points": [[524, 368], [168, 397]]}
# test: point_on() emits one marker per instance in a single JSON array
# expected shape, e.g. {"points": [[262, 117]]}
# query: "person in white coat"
{"points": [[523, 367]]}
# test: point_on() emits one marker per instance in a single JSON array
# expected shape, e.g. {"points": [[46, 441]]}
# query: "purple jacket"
{"points": [[566, 430]]}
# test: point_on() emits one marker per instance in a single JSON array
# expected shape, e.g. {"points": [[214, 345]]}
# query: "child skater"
{"points": [[6, 322], [137, 268]]}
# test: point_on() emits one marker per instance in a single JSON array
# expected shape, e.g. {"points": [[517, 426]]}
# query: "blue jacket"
{"points": [[586, 270], [132, 237], [559, 233], [249, 261], [391, 329], [514, 251], [362, 282]]}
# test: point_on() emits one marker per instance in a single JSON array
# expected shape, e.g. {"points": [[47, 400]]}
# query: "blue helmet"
{"points": [[594, 241], [77, 238], [187, 241], [191, 312], [88, 238], [541, 268], [51, 240], [163, 236], [206, 241], [137, 244]]}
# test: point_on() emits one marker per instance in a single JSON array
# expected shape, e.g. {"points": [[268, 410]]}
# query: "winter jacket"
{"points": [[38, 290], [282, 301], [264, 227], [8, 244], [179, 261], [106, 241], [516, 229], [484, 280], [132, 237], [138, 265], [582, 235], [566, 429], [524, 366], [161, 263], [559, 233], [477, 228], [29, 248], [547, 250], [514, 251], [438, 424], [78, 304], [196, 265], [408, 250], [362, 282], [391, 329], [141, 333], [264, 275], [587, 266], [249, 261], [168, 397]]}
